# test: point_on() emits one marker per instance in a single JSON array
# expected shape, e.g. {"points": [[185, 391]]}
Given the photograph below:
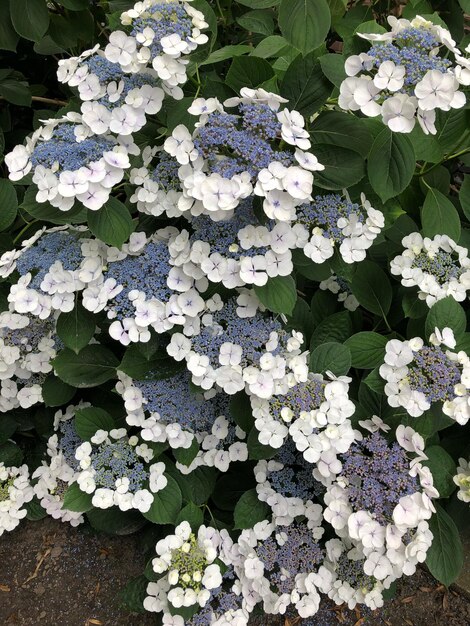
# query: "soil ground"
{"points": [[55, 575]]}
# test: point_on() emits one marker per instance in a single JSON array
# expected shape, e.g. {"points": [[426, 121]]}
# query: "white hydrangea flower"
{"points": [[15, 492], [462, 480], [438, 267]]}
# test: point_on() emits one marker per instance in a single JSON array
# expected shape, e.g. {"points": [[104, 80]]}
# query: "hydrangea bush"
{"points": [[234, 282]]}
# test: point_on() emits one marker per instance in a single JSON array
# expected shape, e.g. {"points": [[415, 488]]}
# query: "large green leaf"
{"points": [[464, 196], [331, 357], [443, 470], [248, 72], [279, 294], [258, 21], [340, 129], [112, 223], [343, 167], [77, 500], [445, 556], [446, 313], [91, 419], [30, 18], [367, 349], [371, 286], [76, 328], [439, 216], [304, 23], [391, 164], [8, 204], [305, 85], [91, 367], [48, 213], [8, 36], [249, 510]]}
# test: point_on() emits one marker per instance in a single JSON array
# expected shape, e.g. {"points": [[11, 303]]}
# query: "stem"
{"points": [[23, 230], [447, 158]]}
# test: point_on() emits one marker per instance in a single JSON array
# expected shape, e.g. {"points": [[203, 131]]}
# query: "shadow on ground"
{"points": [[55, 575]]}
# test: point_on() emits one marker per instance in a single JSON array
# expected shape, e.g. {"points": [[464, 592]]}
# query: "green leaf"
{"points": [[374, 381], [464, 196], [76, 328], [445, 556], [186, 456], [443, 470], [140, 365], [426, 147], [115, 522], [134, 594], [304, 23], [91, 367], [333, 68], [30, 18], [166, 504], [112, 223], [279, 295], [367, 349], [8, 204], [343, 167], [227, 52], [249, 510], [371, 286], [75, 5], [16, 91], [258, 21], [413, 306], [305, 85], [439, 216], [77, 500], [340, 129], [10, 454], [446, 312], [241, 412], [331, 357], [88, 421], [272, 46], [256, 450], [336, 327], [259, 4], [7, 427], [192, 514], [34, 510], [248, 72], [55, 392], [48, 213], [197, 486], [8, 36], [391, 164]]}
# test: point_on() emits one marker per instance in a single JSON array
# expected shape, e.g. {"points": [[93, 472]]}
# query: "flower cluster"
{"points": [[462, 480], [380, 500], [188, 562], [420, 375], [438, 267], [277, 567], [140, 290], [314, 413], [332, 221], [118, 471], [162, 33], [27, 347], [53, 266], [232, 155], [69, 162], [338, 286], [15, 492], [239, 347], [113, 100], [168, 410], [405, 76]]}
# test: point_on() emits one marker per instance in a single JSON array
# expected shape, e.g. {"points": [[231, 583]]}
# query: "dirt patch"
{"points": [[52, 574]]}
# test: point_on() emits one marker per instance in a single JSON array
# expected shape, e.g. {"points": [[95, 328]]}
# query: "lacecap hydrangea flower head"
{"points": [[406, 76], [140, 290], [169, 410], [192, 565], [118, 471], [314, 414], [419, 375], [242, 147], [277, 567], [438, 267], [240, 347], [113, 100], [69, 162], [53, 266], [15, 492], [381, 499], [161, 34], [27, 347], [287, 485]]}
